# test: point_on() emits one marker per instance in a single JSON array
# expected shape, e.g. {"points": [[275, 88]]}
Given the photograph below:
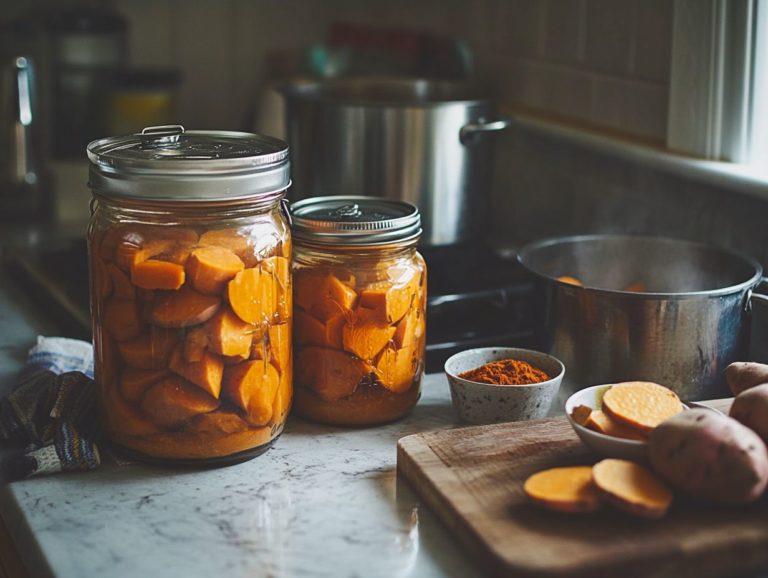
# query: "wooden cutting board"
{"points": [[473, 478]]}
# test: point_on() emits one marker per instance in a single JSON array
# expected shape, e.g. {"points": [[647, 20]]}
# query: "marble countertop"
{"points": [[322, 502]]}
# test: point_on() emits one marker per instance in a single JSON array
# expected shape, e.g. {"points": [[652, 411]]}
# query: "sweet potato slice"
{"points": [[251, 295], [150, 350], [195, 344], [330, 373], [408, 329], [183, 308], [172, 401], [252, 386], [153, 274], [605, 424], [233, 240], [206, 373], [229, 335], [580, 414], [121, 319], [219, 422], [632, 488], [284, 395], [280, 268], [391, 300], [122, 286], [135, 382], [364, 335], [280, 346], [395, 369], [568, 489], [315, 332], [641, 404], [210, 268], [122, 417], [323, 295]]}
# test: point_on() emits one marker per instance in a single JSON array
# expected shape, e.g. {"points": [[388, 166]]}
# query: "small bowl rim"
{"points": [[478, 350]]}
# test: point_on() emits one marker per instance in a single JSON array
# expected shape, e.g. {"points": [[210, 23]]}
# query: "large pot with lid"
{"points": [[420, 141], [652, 309]]}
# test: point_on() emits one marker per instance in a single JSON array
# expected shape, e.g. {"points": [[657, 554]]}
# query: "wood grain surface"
{"points": [[473, 477]]}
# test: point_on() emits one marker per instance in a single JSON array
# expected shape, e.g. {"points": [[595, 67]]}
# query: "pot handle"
{"points": [[470, 133]]}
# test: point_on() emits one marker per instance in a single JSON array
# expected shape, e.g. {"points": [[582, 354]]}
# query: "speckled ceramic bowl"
{"points": [[481, 403]]}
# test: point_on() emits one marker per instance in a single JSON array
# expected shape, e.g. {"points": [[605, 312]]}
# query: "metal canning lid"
{"points": [[169, 164], [355, 221]]}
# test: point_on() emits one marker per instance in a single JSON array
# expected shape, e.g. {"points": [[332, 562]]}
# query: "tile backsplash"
{"points": [[603, 64]]}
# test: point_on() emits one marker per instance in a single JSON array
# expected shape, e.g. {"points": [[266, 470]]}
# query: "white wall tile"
{"points": [[609, 35]]}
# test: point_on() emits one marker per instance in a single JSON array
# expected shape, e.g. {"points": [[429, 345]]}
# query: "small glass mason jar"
{"points": [[359, 318], [191, 298]]}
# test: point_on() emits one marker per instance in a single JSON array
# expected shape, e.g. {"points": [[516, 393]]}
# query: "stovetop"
{"points": [[475, 298]]}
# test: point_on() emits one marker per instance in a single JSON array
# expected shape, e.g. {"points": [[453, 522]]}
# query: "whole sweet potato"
{"points": [[711, 456], [751, 409], [743, 375]]}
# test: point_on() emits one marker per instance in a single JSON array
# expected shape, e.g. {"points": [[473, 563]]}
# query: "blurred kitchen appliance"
{"points": [[88, 44], [20, 163], [422, 141]]}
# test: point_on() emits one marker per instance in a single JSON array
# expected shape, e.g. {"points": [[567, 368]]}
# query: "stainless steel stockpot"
{"points": [[420, 141], [688, 321]]}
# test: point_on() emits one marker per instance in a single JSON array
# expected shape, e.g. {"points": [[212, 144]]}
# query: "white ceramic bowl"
{"points": [[602, 444], [482, 403]]}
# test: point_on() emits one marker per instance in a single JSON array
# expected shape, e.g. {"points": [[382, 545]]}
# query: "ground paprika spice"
{"points": [[506, 372]]}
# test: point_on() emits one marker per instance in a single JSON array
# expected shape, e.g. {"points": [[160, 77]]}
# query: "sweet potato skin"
{"points": [[742, 375], [750, 408], [710, 456]]}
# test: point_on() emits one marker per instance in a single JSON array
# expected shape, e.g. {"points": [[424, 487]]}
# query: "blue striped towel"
{"points": [[53, 410]]}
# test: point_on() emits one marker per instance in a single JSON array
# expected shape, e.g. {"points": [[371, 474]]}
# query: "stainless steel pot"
{"points": [[689, 322], [424, 142]]}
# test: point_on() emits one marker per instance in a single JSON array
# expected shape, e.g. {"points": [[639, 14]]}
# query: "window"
{"points": [[719, 80]]}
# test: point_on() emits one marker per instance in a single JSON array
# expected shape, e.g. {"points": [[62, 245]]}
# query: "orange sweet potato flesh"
{"points": [[252, 386], [395, 369], [135, 382], [312, 331], [251, 295], [603, 423], [195, 344], [121, 319], [229, 335], [280, 346], [150, 350], [153, 274], [632, 488], [391, 300], [183, 308], [408, 329], [172, 401], [218, 422], [323, 295], [120, 416], [580, 414], [206, 373], [210, 268], [567, 489], [641, 404], [330, 373], [233, 240], [280, 268], [364, 336], [284, 395]]}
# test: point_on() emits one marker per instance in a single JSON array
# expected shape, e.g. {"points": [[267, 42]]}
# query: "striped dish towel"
{"points": [[53, 410]]}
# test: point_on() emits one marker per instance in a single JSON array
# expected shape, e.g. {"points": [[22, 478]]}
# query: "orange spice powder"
{"points": [[506, 372]]}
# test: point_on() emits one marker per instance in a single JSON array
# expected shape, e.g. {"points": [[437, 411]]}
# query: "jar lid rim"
{"points": [[171, 163], [355, 220]]}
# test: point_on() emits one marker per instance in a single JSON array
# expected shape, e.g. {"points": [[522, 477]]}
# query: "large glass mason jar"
{"points": [[191, 293], [359, 319]]}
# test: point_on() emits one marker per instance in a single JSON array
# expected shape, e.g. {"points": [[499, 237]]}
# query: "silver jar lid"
{"points": [[355, 221], [169, 164]]}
